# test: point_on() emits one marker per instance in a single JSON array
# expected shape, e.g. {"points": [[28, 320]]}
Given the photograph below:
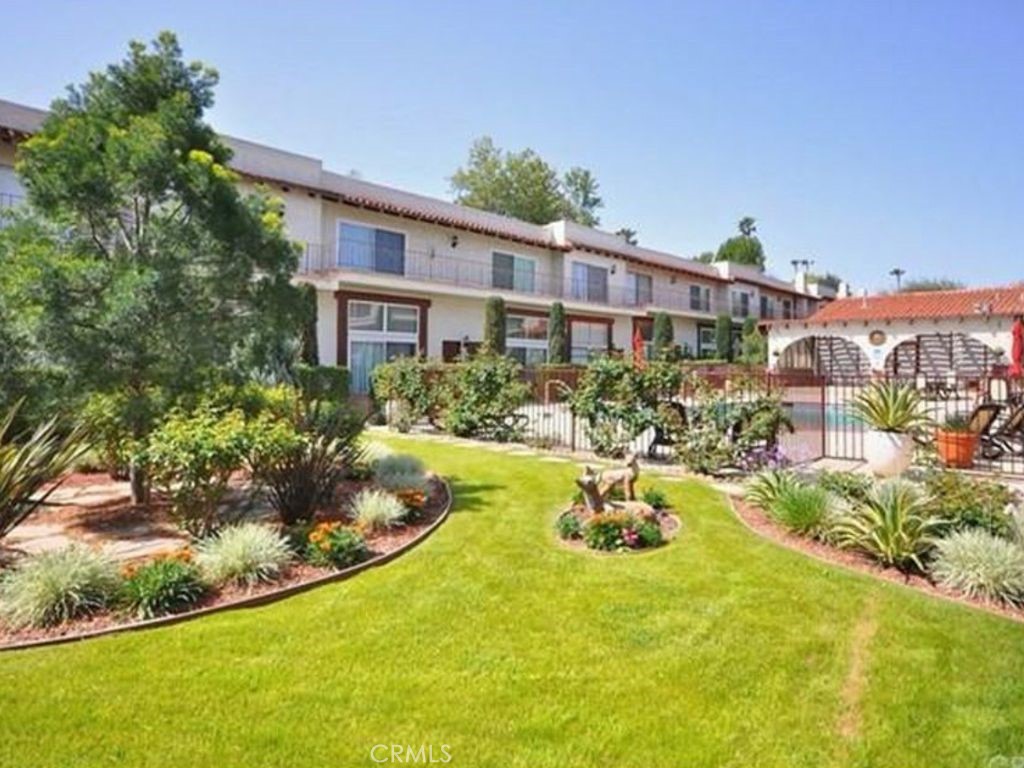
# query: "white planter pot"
{"points": [[888, 454]]}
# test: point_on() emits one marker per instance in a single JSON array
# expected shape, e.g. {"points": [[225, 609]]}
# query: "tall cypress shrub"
{"points": [[723, 337], [558, 336], [494, 326], [663, 335]]}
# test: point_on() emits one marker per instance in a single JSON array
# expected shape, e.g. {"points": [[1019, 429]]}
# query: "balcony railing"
{"points": [[8, 200], [479, 274]]}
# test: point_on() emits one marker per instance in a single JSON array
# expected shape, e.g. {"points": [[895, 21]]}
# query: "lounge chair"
{"points": [[1008, 439]]}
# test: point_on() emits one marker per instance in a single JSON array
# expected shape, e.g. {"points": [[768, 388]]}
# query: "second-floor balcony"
{"points": [[506, 274]]}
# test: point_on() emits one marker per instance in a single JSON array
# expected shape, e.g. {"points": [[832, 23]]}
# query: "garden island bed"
{"points": [[296, 575]]}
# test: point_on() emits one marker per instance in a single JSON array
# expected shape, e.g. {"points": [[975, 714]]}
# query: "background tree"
{"points": [[723, 337], [662, 336], [152, 271], [629, 235], [705, 257], [494, 326], [829, 279], [523, 185], [931, 284], [558, 335], [753, 344], [745, 248]]}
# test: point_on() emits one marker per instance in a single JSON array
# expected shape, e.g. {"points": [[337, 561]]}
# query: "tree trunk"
{"points": [[140, 484]]}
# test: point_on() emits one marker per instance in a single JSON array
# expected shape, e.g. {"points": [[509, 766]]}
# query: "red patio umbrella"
{"points": [[1017, 350], [639, 359]]}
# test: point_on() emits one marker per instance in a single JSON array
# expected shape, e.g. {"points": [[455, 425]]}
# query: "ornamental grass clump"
{"points": [[400, 473], [980, 565], [375, 510], [54, 587], [245, 554], [765, 488], [803, 509]]}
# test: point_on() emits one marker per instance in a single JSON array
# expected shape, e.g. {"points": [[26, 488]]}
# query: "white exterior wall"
{"points": [[453, 318], [327, 327], [9, 184]]}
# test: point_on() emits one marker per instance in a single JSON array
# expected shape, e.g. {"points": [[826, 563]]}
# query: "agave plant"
{"points": [[28, 462], [890, 407], [892, 525]]}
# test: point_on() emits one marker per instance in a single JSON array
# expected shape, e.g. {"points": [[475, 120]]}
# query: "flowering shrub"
{"points": [[162, 586], [335, 545], [621, 530], [191, 458]]}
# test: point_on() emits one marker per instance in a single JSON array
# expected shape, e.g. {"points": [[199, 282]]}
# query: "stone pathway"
{"points": [[100, 514]]}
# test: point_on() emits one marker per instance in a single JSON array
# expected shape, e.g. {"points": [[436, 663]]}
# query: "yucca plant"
{"points": [[766, 487], [892, 526], [28, 462], [890, 407]]}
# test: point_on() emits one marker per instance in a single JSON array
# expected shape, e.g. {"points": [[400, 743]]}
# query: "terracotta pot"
{"points": [[956, 448], [888, 454]]}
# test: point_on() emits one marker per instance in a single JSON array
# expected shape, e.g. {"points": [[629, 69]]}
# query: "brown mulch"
{"points": [[760, 523], [379, 543]]}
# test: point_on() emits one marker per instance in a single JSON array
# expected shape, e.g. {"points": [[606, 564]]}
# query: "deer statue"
{"points": [[591, 495], [626, 476]]}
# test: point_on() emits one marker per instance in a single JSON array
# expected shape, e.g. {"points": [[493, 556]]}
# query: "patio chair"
{"points": [[1008, 439], [666, 436]]}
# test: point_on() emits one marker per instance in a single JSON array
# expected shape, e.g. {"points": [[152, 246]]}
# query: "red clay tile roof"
{"points": [[1003, 301]]}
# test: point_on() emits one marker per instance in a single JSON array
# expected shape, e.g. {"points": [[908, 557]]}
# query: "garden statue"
{"points": [[626, 476], [597, 485], [591, 495]]}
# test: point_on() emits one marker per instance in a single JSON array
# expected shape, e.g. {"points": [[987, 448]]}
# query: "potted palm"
{"points": [[956, 442], [892, 413]]}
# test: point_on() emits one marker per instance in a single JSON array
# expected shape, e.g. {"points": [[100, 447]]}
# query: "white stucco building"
{"points": [[929, 334], [398, 273]]}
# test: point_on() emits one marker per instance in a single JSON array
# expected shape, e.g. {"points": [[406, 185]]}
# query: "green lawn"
{"points": [[721, 649]]}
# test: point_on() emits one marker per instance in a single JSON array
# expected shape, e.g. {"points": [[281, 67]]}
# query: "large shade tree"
{"points": [[523, 185], [150, 270]]}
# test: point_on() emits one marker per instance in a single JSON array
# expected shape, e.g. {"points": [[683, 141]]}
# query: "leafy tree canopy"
{"points": [[931, 284], [523, 185], [141, 263], [745, 248], [629, 235]]}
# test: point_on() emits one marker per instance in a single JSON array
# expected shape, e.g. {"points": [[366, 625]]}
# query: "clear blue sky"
{"points": [[861, 134]]}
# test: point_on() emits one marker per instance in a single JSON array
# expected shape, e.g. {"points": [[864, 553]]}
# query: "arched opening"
{"points": [[830, 356], [942, 355]]}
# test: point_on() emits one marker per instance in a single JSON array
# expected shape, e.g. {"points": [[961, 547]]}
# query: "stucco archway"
{"points": [[824, 355], [939, 355]]}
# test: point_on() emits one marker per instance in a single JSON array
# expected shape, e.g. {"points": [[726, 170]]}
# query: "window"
{"points": [[700, 298], [367, 248], [641, 289], [706, 344], [767, 307], [787, 309], [379, 332], [526, 339], [589, 340], [740, 304], [513, 273], [589, 283]]}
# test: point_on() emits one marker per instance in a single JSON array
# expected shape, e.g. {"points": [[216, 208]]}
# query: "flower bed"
{"points": [[626, 526], [945, 534], [334, 547]]}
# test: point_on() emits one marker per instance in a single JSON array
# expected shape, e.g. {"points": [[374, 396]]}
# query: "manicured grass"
{"points": [[721, 649]]}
